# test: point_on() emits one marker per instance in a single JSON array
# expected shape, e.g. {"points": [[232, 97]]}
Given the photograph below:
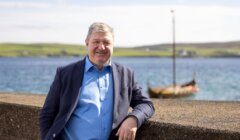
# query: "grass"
{"points": [[18, 50], [44, 49]]}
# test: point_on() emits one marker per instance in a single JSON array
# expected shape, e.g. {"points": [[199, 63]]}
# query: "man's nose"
{"points": [[101, 46]]}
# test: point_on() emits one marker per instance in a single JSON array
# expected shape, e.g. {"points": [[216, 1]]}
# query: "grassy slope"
{"points": [[204, 50], [16, 50], [225, 49]]}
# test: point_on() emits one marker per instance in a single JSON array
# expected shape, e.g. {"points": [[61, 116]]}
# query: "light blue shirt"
{"points": [[92, 118]]}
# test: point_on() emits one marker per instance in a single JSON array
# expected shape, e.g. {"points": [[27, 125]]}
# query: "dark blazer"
{"points": [[63, 97]]}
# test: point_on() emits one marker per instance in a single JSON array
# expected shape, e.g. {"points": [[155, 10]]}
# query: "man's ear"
{"points": [[86, 41]]}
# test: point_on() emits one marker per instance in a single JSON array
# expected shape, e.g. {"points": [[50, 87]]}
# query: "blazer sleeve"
{"points": [[142, 106], [51, 106]]}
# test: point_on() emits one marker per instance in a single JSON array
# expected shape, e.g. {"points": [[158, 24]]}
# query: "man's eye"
{"points": [[96, 42], [106, 43]]}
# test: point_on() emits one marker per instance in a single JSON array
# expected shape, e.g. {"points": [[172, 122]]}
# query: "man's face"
{"points": [[100, 48]]}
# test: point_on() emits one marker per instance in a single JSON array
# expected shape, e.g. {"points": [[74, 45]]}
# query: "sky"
{"points": [[135, 22]]}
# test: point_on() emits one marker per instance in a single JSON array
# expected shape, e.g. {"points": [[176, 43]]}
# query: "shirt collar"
{"points": [[89, 65]]}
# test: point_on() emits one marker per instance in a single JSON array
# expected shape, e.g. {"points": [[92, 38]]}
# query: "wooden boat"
{"points": [[183, 90], [174, 90]]}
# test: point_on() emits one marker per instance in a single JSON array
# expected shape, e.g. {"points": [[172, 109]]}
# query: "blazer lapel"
{"points": [[77, 76], [77, 79], [116, 81]]}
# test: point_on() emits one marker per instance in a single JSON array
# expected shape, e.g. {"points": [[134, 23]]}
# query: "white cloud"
{"points": [[134, 25]]}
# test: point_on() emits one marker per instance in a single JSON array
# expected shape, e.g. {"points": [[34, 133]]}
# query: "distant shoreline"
{"points": [[188, 50], [118, 56]]}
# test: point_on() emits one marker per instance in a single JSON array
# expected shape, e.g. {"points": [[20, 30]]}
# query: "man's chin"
{"points": [[102, 62]]}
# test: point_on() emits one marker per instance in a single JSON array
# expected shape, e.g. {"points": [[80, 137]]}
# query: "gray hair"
{"points": [[99, 27]]}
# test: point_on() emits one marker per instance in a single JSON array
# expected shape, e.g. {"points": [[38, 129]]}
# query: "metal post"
{"points": [[173, 49]]}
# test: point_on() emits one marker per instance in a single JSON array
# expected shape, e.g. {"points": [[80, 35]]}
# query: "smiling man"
{"points": [[90, 99], [100, 45]]}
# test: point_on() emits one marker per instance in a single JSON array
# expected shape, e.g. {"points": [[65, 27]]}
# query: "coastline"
{"points": [[130, 56], [207, 49]]}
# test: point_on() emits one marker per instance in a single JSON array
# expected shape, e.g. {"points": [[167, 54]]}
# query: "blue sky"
{"points": [[136, 22]]}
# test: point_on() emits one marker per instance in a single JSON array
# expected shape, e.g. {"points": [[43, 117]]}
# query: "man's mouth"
{"points": [[101, 53]]}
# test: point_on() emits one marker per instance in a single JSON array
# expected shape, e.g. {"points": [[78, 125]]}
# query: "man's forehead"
{"points": [[104, 35]]}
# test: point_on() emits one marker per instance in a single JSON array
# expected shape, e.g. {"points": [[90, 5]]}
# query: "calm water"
{"points": [[218, 78]]}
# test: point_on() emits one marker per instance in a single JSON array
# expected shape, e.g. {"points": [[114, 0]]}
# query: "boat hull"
{"points": [[173, 92]]}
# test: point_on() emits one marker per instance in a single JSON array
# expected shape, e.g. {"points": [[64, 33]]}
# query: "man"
{"points": [[90, 99]]}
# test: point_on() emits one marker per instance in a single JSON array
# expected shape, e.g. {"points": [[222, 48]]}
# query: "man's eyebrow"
{"points": [[105, 39]]}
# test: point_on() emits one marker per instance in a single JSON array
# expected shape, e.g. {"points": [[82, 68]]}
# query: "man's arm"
{"points": [[142, 106], [128, 129], [50, 107], [143, 109]]}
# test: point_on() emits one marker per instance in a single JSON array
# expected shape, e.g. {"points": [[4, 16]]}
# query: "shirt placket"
{"points": [[103, 85]]}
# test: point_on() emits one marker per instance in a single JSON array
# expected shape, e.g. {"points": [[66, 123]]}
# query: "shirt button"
{"points": [[54, 135]]}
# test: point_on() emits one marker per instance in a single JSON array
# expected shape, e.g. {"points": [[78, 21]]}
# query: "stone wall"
{"points": [[165, 131], [20, 122]]}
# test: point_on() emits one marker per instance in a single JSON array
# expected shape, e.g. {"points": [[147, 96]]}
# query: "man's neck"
{"points": [[100, 67]]}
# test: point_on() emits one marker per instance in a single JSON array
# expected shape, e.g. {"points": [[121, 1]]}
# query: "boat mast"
{"points": [[173, 49]]}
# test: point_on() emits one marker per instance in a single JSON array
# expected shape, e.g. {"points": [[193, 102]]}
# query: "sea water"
{"points": [[217, 78]]}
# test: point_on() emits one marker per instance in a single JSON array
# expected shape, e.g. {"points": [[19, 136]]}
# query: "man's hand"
{"points": [[128, 129]]}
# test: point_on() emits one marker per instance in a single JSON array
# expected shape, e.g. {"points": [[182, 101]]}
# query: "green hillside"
{"points": [[41, 49], [214, 49], [226, 49]]}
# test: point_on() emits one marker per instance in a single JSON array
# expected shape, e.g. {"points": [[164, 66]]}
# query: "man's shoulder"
{"points": [[71, 66], [121, 67]]}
